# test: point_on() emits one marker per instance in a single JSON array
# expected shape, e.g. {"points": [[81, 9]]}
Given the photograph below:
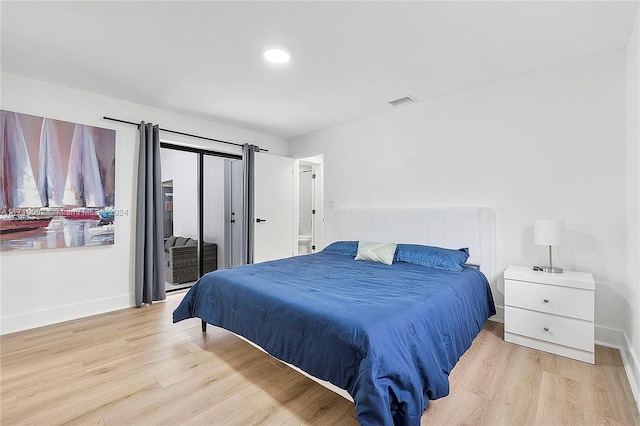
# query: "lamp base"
{"points": [[551, 269]]}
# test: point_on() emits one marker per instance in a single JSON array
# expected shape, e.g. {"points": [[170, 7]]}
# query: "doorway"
{"points": [[198, 188], [309, 200]]}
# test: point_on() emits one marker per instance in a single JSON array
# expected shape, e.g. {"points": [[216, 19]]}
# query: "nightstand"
{"points": [[550, 312]]}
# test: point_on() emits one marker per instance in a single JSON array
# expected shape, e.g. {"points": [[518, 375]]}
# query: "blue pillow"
{"points": [[348, 248], [435, 257]]}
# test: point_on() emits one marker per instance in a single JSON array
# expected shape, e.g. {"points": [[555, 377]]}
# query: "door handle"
{"points": [[261, 220]]}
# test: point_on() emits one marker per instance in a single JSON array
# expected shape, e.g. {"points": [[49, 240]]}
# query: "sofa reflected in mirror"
{"points": [[181, 259]]}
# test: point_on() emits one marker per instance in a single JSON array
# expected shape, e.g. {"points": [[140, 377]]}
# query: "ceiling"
{"points": [[204, 59]]}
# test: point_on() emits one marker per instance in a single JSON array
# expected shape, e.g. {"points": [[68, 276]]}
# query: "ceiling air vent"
{"points": [[402, 101]]}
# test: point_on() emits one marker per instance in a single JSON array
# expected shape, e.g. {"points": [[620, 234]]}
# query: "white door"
{"points": [[273, 212]]}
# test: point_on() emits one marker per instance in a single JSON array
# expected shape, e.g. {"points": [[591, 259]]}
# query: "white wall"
{"points": [[544, 145], [632, 194], [48, 286]]}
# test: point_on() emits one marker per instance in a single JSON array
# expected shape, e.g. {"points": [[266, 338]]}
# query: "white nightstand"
{"points": [[550, 312]]}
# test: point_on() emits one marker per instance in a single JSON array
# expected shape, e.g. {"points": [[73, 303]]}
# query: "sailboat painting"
{"points": [[57, 183]]}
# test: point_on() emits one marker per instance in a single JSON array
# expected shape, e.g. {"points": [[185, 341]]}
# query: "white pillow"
{"points": [[376, 252]]}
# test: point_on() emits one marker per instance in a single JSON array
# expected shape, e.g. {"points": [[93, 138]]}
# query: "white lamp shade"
{"points": [[549, 232]]}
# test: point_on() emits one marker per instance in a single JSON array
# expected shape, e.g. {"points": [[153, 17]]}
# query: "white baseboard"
{"points": [[609, 337], [499, 316], [11, 324], [631, 367]]}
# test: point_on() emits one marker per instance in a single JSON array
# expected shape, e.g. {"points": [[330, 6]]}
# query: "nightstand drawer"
{"points": [[551, 328], [566, 301]]}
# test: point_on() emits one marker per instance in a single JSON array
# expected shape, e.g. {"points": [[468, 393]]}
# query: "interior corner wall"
{"points": [[632, 217], [550, 144], [40, 287]]}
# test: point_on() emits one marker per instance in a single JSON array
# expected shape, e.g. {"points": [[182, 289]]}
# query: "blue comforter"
{"points": [[388, 334]]}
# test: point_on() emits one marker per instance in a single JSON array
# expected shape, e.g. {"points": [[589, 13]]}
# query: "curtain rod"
{"points": [[180, 133]]}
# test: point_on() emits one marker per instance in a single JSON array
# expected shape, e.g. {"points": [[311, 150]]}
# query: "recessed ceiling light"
{"points": [[277, 55]]}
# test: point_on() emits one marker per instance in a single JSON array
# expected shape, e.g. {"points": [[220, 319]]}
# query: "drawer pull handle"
{"points": [[546, 329], [546, 300]]}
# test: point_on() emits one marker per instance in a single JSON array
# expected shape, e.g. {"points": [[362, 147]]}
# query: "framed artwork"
{"points": [[57, 183]]}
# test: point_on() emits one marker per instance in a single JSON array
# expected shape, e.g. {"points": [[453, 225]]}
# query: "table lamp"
{"points": [[549, 233]]}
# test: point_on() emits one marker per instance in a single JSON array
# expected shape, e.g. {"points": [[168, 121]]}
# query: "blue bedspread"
{"points": [[388, 334]]}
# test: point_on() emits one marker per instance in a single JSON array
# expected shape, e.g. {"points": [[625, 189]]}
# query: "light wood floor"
{"points": [[135, 367]]}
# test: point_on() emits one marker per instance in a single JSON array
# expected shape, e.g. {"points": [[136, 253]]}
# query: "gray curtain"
{"points": [[149, 262], [248, 164]]}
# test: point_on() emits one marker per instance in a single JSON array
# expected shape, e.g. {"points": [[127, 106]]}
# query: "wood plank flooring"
{"points": [[135, 367]]}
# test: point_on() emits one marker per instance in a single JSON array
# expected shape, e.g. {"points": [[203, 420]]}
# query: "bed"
{"points": [[387, 334]]}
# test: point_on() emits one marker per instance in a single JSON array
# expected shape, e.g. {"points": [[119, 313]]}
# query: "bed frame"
{"points": [[454, 228]]}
